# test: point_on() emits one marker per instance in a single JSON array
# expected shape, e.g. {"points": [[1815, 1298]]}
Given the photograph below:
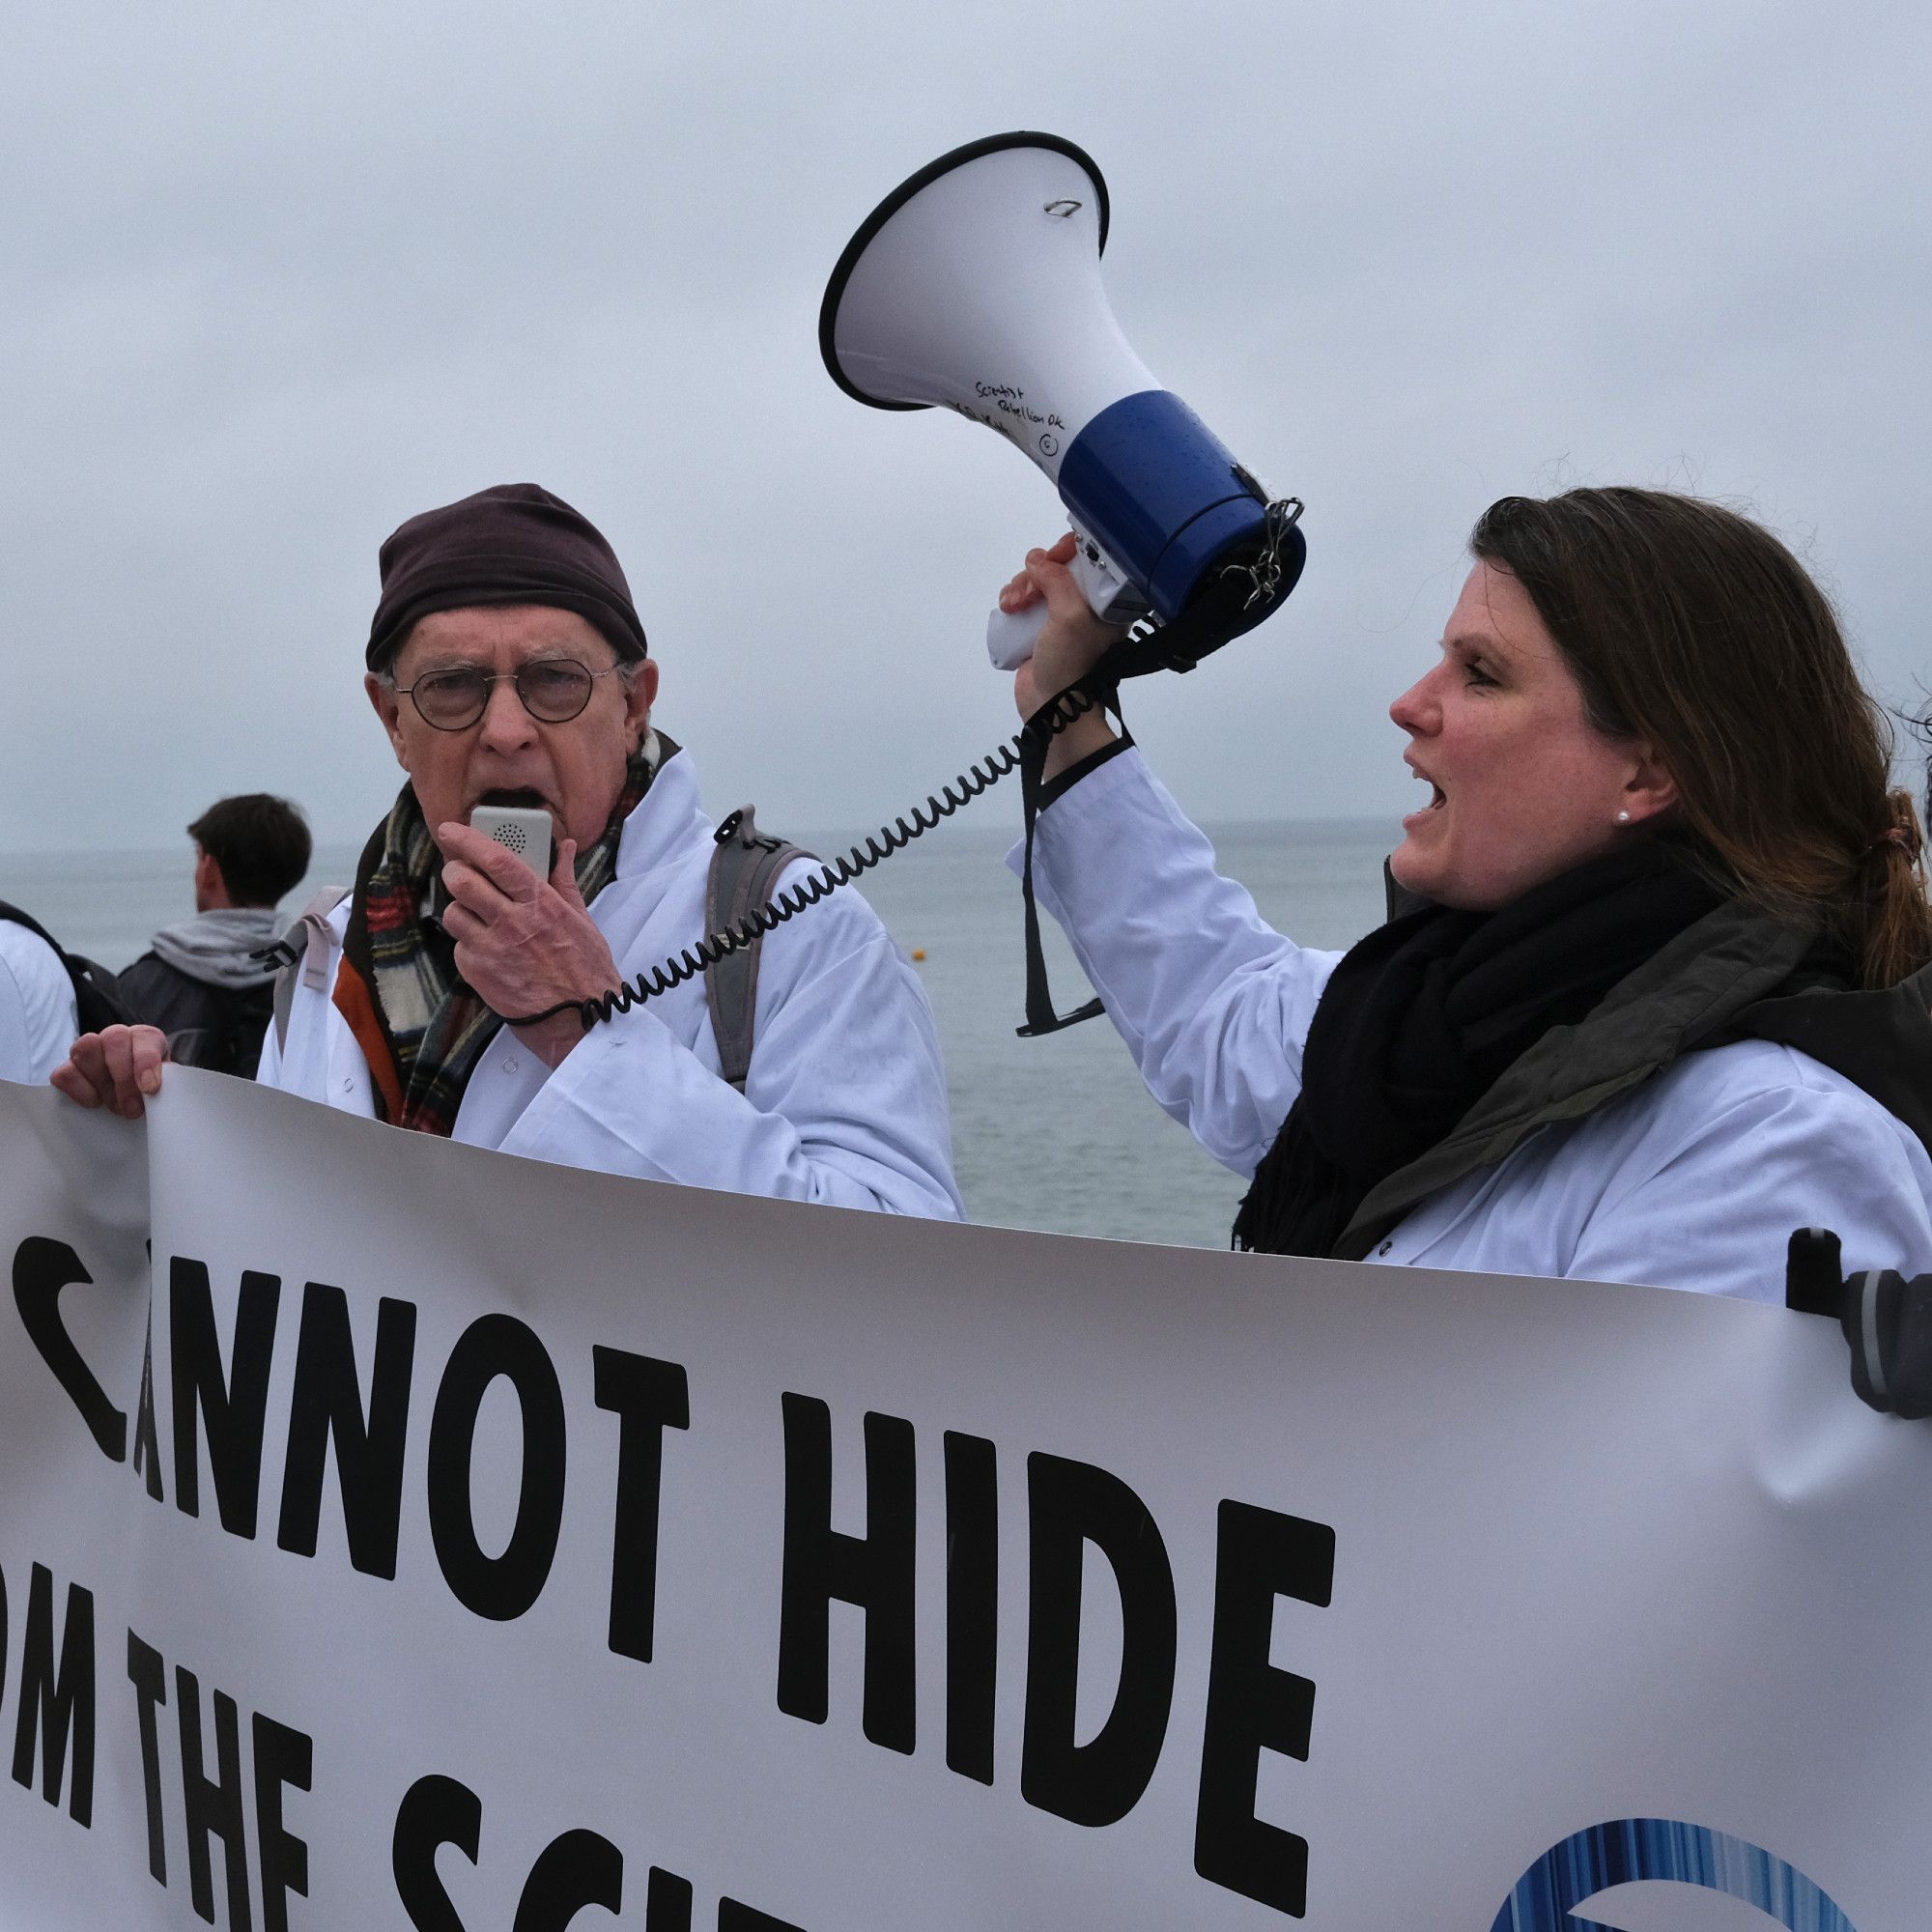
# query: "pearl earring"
{"points": [[1623, 819]]}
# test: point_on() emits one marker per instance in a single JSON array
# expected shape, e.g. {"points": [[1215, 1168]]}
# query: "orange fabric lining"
{"points": [[353, 1002]]}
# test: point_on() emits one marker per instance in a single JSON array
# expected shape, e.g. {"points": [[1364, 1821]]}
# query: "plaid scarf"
{"points": [[421, 1029]]}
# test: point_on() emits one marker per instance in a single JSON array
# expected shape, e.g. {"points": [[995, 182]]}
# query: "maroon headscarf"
{"points": [[513, 544]]}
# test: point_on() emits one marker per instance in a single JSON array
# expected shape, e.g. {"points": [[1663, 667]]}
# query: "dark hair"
{"points": [[260, 842], [1693, 628]]}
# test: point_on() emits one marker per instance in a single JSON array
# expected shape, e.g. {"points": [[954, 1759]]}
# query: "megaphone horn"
{"points": [[976, 286]]}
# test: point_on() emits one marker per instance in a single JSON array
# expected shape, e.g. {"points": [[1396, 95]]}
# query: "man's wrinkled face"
{"points": [[574, 770]]}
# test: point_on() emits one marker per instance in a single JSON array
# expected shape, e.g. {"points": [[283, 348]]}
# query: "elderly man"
{"points": [[508, 667]]}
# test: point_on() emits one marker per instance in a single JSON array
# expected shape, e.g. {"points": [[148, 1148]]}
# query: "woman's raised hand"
{"points": [[1068, 647]]}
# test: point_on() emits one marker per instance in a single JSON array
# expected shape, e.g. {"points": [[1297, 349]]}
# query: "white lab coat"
{"points": [[1694, 1179], [38, 1018], [846, 1100]]}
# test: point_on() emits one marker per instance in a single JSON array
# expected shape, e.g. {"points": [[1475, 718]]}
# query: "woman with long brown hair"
{"points": [[1660, 996]]}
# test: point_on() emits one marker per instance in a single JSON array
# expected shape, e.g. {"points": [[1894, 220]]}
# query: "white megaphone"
{"points": [[976, 285]]}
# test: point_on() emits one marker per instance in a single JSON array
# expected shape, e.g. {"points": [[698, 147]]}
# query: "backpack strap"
{"points": [[745, 868], [98, 999], [13, 916], [303, 951]]}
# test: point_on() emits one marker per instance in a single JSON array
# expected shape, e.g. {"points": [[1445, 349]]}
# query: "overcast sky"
{"points": [[277, 278]]}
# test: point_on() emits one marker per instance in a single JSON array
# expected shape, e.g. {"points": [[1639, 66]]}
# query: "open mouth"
{"points": [[527, 800], [1436, 798]]}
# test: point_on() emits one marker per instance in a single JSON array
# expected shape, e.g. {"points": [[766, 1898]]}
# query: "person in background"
{"points": [[1659, 995], [202, 984], [38, 1017], [455, 992]]}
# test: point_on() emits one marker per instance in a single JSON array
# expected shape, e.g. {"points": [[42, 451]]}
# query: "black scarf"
{"points": [[1420, 1019]]}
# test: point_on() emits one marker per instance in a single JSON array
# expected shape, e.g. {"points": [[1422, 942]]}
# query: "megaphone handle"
{"points": [[1010, 635]]}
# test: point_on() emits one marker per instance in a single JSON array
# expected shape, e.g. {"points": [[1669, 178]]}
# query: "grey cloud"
{"points": [[278, 280]]}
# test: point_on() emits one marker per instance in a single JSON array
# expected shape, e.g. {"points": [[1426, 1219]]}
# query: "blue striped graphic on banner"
{"points": [[1663, 1847]]}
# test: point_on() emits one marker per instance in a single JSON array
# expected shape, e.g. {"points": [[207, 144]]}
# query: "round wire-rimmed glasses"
{"points": [[552, 691]]}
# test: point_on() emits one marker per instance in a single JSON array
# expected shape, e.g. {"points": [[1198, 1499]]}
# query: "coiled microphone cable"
{"points": [[1242, 594], [688, 965]]}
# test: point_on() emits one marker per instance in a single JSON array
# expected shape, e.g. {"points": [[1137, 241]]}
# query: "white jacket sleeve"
{"points": [[845, 1103], [1214, 1003]]}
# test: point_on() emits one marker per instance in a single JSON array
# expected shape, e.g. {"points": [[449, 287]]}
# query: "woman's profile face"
{"points": [[1523, 786]]}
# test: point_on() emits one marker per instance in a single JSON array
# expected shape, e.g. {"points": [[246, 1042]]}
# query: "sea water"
{"points": [[1057, 1134]]}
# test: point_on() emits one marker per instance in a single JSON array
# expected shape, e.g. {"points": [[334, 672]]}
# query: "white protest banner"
{"points": [[495, 1548]]}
